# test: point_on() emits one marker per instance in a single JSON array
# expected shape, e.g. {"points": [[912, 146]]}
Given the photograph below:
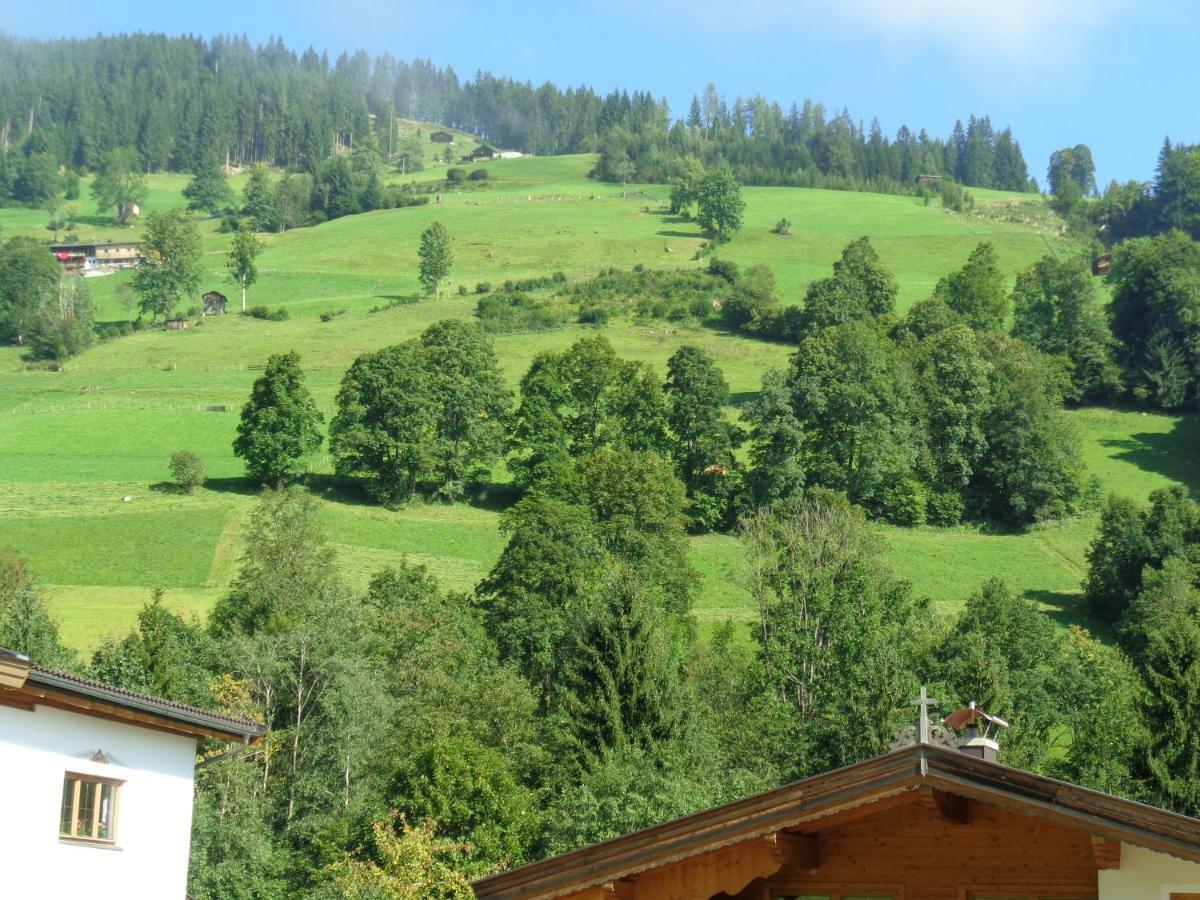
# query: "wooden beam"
{"points": [[1107, 852], [724, 871], [948, 807], [800, 851]]}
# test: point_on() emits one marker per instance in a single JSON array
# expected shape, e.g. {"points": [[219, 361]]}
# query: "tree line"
{"points": [[185, 103], [419, 736]]}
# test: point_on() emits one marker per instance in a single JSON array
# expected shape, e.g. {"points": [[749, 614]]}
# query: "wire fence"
{"points": [[42, 409]]}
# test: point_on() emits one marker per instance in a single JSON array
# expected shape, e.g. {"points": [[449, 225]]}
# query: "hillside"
{"points": [[74, 444]]}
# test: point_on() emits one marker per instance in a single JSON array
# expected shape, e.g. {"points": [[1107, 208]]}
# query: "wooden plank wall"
{"points": [[926, 855]]}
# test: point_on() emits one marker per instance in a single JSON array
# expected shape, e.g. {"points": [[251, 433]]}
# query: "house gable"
{"points": [[892, 826]]}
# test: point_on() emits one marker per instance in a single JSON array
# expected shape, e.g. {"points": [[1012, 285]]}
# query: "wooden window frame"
{"points": [[100, 781]]}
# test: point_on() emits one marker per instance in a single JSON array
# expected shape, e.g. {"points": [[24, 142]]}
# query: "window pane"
{"points": [[87, 807], [68, 798], [104, 826]]}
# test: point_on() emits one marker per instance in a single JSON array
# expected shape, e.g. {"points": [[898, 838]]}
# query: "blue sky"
{"points": [[1117, 75]]}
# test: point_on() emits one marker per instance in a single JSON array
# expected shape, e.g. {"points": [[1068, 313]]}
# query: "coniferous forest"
{"points": [[182, 103]]}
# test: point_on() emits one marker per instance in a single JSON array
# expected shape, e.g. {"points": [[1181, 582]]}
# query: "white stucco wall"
{"points": [[1146, 875], [154, 811]]}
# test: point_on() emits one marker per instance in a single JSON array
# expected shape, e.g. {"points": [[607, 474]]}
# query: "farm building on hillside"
{"points": [[215, 303], [442, 137], [176, 324], [935, 819], [90, 769], [98, 256], [1101, 264], [509, 154], [479, 153]]}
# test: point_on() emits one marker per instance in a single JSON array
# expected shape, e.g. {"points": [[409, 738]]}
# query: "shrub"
{"points": [[332, 314], [945, 508], [261, 312], [479, 175], [783, 228], [456, 175], [905, 502], [229, 224], [462, 290], [187, 470], [483, 287], [723, 268]]}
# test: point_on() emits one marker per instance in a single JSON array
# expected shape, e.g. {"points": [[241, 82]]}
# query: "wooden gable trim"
{"points": [[32, 695], [1106, 852]]}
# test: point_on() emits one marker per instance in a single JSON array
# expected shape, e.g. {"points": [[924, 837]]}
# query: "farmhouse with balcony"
{"points": [[90, 769], [98, 257]]}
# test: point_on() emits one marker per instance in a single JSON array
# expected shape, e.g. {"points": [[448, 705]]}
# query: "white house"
{"points": [[97, 785]]}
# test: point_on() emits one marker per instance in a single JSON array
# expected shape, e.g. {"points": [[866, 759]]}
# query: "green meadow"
{"points": [[83, 452]]}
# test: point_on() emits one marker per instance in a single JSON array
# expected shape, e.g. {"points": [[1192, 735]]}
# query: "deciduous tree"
{"points": [[280, 423]]}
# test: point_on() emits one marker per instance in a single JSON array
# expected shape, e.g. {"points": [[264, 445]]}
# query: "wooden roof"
{"points": [[921, 767], [25, 685]]}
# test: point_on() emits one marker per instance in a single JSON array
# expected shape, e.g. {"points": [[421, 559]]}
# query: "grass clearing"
{"points": [[74, 443]]}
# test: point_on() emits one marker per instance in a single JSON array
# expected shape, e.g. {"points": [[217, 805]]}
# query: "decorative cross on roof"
{"points": [[925, 703]]}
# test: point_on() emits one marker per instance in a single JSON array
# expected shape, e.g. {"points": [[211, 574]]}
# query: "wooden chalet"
{"points": [[480, 153], [215, 303], [98, 255], [441, 137], [928, 821]]}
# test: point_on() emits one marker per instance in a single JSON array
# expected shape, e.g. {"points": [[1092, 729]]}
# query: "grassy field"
{"points": [[75, 444]]}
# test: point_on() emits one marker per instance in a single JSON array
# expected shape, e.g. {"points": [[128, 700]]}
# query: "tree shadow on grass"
{"points": [[1068, 608], [680, 234], [243, 486], [1175, 455]]}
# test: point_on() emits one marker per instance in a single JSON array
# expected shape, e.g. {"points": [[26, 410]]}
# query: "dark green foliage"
{"points": [[280, 423], [510, 312], [837, 630], [25, 623], [427, 415], [703, 439], [1177, 188], [473, 792], [29, 281], [976, 291], [1155, 317], [470, 400], [1072, 166], [187, 470], [577, 401], [719, 204], [164, 657], [776, 441], [953, 380], [852, 396], [209, 190], [258, 200], [170, 269], [268, 315], [384, 428], [120, 184], [455, 175], [1129, 540], [435, 255], [1032, 467], [1163, 632], [861, 288], [287, 564], [1056, 310]]}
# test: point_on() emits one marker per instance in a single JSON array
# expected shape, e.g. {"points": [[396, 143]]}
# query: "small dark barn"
{"points": [[442, 137], [215, 303], [481, 152]]}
